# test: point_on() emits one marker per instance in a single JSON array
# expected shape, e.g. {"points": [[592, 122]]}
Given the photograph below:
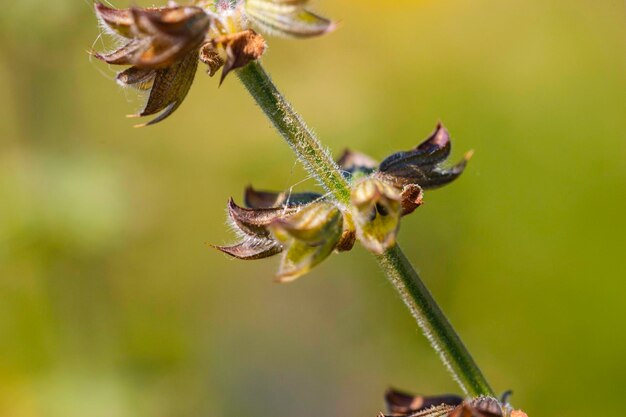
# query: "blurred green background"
{"points": [[112, 305]]}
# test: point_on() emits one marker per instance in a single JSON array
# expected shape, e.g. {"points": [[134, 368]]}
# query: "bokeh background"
{"points": [[112, 305]]}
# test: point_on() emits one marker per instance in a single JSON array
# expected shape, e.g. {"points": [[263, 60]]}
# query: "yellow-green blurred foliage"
{"points": [[112, 305]]}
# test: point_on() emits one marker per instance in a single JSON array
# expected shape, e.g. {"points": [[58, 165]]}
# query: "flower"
{"points": [[163, 45], [304, 227], [307, 227], [376, 211], [401, 404]]}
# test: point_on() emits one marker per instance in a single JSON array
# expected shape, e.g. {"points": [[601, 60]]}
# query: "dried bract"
{"points": [[400, 404], [157, 37], [352, 162], [162, 45], [268, 199], [241, 49], [422, 165]]}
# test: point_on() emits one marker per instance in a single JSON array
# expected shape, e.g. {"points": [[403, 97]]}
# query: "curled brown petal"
{"points": [[347, 240], [140, 78], [432, 151], [251, 250], [351, 161], [269, 199], [169, 89], [439, 176], [412, 197], [211, 57], [427, 176], [118, 20], [127, 54], [184, 22], [464, 410], [254, 222], [488, 406], [159, 37], [241, 49], [399, 402], [173, 33]]}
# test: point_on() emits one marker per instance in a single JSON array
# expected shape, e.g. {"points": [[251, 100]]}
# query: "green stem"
{"points": [[393, 262], [315, 158], [433, 322]]}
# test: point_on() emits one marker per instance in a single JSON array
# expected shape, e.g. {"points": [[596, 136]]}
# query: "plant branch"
{"points": [[393, 262], [433, 322], [315, 158]]}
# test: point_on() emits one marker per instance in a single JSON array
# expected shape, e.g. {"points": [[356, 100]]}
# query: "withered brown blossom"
{"points": [[307, 227], [401, 404], [163, 45]]}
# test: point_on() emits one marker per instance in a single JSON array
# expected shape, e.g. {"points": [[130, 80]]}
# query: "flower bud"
{"points": [[376, 211], [309, 237]]}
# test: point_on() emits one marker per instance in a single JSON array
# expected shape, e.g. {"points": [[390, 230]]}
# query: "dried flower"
{"points": [[307, 227], [400, 404], [162, 45]]}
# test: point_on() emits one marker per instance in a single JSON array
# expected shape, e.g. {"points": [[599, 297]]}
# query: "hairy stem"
{"points": [[393, 262], [290, 125], [433, 322]]}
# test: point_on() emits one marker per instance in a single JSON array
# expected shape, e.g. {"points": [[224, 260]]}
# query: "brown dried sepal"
{"points": [[255, 222], [270, 199], [251, 249], [158, 37], [399, 402], [119, 21], [412, 197], [422, 165], [211, 57], [402, 404], [351, 161], [241, 49], [347, 240], [162, 49], [168, 86], [253, 226]]}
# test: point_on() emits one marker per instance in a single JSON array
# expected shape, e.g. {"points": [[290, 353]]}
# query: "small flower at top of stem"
{"points": [[307, 227], [163, 45]]}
